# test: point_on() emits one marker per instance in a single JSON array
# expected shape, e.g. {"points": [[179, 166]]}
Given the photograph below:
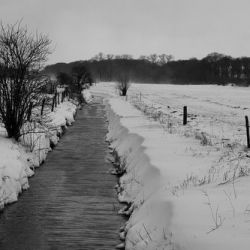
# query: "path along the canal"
{"points": [[71, 202]]}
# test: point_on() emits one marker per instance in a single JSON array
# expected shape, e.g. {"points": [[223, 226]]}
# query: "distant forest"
{"points": [[215, 68]]}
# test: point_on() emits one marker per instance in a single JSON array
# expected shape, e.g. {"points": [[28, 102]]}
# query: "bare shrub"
{"points": [[21, 83]]}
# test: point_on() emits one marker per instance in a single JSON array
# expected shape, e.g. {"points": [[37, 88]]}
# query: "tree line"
{"points": [[215, 68]]}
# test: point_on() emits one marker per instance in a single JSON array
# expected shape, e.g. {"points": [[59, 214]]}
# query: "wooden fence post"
{"points": [[42, 106], [247, 130], [55, 97], [184, 115], [53, 104], [29, 110]]}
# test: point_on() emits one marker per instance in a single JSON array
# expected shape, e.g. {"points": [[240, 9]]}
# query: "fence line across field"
{"points": [[193, 110], [56, 99], [180, 110], [139, 96]]}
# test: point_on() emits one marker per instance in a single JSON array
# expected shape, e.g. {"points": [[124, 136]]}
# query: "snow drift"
{"points": [[18, 159], [184, 188]]}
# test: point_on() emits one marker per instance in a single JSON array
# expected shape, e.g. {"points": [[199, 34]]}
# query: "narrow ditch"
{"points": [[72, 202]]}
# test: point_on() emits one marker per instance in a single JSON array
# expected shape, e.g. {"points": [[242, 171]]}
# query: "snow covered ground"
{"points": [[187, 187], [18, 160]]}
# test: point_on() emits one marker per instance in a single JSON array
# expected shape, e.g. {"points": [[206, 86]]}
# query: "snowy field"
{"points": [[187, 187]]}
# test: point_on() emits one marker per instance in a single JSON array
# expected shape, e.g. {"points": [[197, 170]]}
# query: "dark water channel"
{"points": [[71, 202]]}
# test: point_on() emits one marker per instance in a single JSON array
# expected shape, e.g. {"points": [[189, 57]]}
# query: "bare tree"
{"points": [[143, 58], [126, 57], [98, 61], [99, 57], [152, 58], [163, 59], [64, 79], [110, 70], [123, 82], [22, 55], [123, 75], [110, 56], [80, 76]]}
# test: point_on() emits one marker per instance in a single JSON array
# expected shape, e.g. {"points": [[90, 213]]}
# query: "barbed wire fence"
{"points": [[193, 121], [39, 122]]}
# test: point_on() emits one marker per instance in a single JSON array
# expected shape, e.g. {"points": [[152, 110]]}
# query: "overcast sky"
{"points": [[80, 29]]}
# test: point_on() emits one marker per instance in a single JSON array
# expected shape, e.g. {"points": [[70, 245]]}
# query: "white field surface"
{"points": [[189, 186]]}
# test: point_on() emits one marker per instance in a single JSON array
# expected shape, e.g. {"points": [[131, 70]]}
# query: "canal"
{"points": [[71, 203]]}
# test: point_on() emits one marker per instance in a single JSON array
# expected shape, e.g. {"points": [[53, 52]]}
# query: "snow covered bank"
{"points": [[18, 160], [186, 188], [87, 96]]}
